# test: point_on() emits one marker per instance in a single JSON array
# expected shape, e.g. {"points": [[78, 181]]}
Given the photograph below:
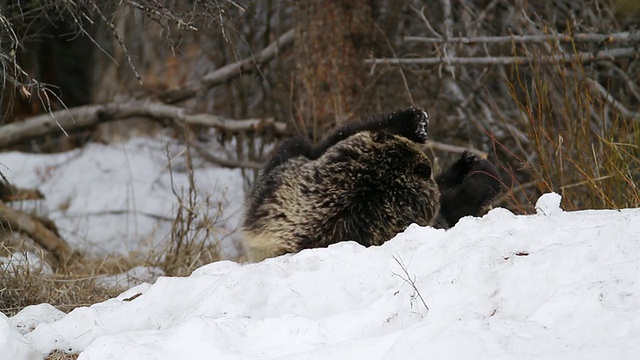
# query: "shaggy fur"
{"points": [[365, 182], [466, 188]]}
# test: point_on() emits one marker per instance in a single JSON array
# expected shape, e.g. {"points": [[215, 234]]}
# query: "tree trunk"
{"points": [[332, 39]]}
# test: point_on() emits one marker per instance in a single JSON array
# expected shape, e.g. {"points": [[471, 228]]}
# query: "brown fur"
{"points": [[365, 181], [366, 188]]}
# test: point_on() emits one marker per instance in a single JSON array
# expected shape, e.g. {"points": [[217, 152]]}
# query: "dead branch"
{"points": [[620, 37], [91, 115], [39, 230], [189, 138], [426, 22], [161, 111], [158, 12], [228, 72], [583, 57], [114, 31], [612, 100]]}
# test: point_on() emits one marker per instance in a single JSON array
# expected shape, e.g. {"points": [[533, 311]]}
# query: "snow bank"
{"points": [[556, 285]]}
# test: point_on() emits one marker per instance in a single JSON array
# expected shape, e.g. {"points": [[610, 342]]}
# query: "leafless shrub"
{"points": [[193, 241]]}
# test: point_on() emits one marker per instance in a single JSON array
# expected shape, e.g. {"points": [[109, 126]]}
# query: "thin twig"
{"points": [[631, 85], [448, 33], [422, 17], [612, 101], [620, 37], [165, 14], [400, 69], [115, 33], [409, 280]]}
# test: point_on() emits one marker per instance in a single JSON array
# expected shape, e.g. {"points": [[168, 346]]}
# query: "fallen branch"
{"points": [[40, 230], [621, 37], [161, 111], [91, 115], [47, 123], [583, 57], [227, 72]]}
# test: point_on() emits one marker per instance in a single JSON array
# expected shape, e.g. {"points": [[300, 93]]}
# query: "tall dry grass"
{"points": [[24, 283], [193, 240], [583, 143]]}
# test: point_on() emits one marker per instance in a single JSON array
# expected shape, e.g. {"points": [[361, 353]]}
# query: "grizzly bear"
{"points": [[365, 181]]}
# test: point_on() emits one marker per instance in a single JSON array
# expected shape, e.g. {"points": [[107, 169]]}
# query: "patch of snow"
{"points": [[549, 204], [131, 278], [29, 317], [119, 198]]}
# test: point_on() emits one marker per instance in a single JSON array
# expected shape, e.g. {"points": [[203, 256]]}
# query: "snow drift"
{"points": [[556, 285]]}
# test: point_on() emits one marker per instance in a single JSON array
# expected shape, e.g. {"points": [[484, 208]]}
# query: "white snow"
{"points": [[26, 321], [554, 285], [118, 198]]}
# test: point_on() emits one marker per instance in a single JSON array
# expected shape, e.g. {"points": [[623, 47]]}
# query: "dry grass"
{"points": [[22, 284], [193, 240], [583, 145], [60, 355]]}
